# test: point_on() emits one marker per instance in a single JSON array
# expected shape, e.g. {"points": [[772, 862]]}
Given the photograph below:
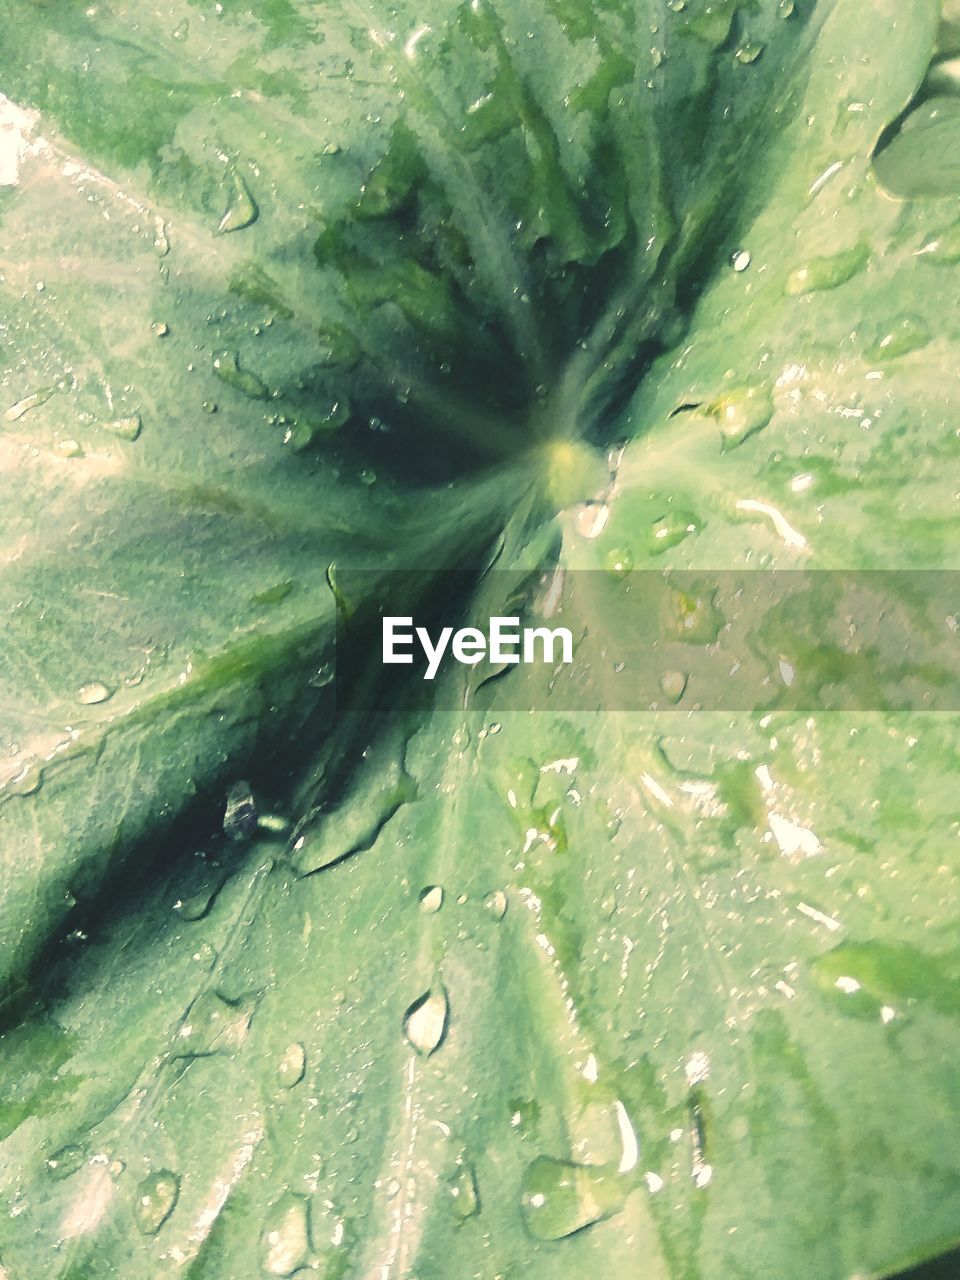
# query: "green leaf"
{"points": [[302, 310]]}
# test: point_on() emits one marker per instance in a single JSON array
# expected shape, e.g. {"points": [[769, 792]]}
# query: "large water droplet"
{"points": [[16, 411], [431, 899], [907, 333], [156, 1199], [241, 210], [292, 1065], [673, 684], [126, 428], [464, 1195], [285, 1242], [213, 1024], [425, 1022], [559, 1197], [91, 694], [66, 1161], [748, 53], [670, 530], [741, 412], [240, 812], [496, 904], [827, 272], [227, 368]]}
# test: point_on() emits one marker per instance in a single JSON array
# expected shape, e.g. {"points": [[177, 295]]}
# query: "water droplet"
{"points": [[156, 1199], [677, 6], [431, 899], [618, 561], [464, 1194], [907, 333], [943, 248], [241, 210], [226, 366], [160, 241], [785, 8], [496, 904], [293, 1064], [68, 449], [240, 812], [197, 905], [160, 329], [748, 53], [741, 412], [66, 1161], [209, 406], [741, 260], [425, 1022], [285, 1242], [827, 272], [90, 694], [213, 1024], [670, 530], [33, 401], [559, 1197], [126, 428], [673, 684]]}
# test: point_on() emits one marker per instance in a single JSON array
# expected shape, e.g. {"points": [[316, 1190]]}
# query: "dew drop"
{"points": [[827, 272], [226, 366], [748, 53], [160, 241], [197, 905], [157, 1196], [425, 1022], [464, 1194], [33, 401], [285, 1242], [741, 412], [160, 329], [741, 260], [785, 8], [559, 1197], [90, 694], [907, 333], [68, 449], [126, 428], [292, 1065], [496, 904], [431, 899], [241, 210], [670, 530]]}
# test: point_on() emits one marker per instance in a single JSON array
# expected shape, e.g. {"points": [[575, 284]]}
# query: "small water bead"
{"points": [[285, 1242], [907, 333], [425, 1022], [241, 210], [559, 1197], [827, 272], [431, 899], [748, 53], [676, 6], [197, 905], [464, 1194], [495, 903], [157, 1197], [67, 1161], [670, 531], [741, 260], [292, 1065], [160, 329], [786, 8], [126, 428], [68, 449], [90, 695]]}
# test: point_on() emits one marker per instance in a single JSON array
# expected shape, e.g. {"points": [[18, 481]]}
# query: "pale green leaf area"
{"points": [[290, 291]]}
